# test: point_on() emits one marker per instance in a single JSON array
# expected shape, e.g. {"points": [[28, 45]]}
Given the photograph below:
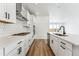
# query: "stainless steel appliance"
{"points": [[48, 39]]}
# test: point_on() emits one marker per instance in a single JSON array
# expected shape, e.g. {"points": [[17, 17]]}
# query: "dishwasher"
{"points": [[48, 39]]}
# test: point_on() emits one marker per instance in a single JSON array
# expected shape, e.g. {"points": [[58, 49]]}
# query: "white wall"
{"points": [[69, 14], [41, 27], [72, 15]]}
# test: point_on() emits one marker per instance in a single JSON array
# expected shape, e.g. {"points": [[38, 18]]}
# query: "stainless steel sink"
{"points": [[60, 34]]}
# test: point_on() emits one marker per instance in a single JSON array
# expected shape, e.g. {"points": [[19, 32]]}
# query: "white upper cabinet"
{"points": [[3, 13], [8, 12], [11, 12], [28, 15], [23, 12]]}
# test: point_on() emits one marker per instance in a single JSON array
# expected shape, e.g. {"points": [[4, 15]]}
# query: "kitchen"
{"points": [[25, 27]]}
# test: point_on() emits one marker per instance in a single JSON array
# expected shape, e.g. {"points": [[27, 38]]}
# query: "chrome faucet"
{"points": [[63, 29]]}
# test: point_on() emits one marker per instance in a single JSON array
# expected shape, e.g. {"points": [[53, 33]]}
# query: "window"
{"points": [[54, 26]]}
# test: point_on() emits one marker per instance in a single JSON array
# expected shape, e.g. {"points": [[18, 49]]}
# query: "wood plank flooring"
{"points": [[40, 48]]}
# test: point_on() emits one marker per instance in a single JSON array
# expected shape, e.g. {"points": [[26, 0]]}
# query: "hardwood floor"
{"points": [[40, 48]]}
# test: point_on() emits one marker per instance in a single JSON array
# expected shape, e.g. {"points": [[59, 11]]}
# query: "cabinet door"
{"points": [[30, 39], [23, 12], [51, 42], [28, 15], [54, 44], [11, 10], [3, 13], [26, 47], [56, 47]]}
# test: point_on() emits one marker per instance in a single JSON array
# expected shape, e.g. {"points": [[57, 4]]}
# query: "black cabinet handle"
{"points": [[6, 15], [52, 41], [63, 43], [62, 47], [19, 42], [19, 50]]}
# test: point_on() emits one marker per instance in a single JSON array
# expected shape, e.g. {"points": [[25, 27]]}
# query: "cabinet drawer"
{"points": [[66, 44], [64, 52], [54, 38]]}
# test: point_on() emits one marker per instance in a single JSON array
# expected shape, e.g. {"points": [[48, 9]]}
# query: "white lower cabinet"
{"points": [[60, 47], [28, 43], [26, 47], [19, 48], [54, 44]]}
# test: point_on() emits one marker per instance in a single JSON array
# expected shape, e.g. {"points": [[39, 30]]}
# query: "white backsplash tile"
{"points": [[9, 29]]}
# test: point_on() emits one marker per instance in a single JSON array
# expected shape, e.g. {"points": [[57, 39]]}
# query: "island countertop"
{"points": [[71, 38], [12, 40]]}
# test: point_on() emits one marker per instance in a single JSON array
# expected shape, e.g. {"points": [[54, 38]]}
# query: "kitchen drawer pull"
{"points": [[19, 50], [6, 15], [52, 41], [63, 43], [62, 47], [19, 42]]}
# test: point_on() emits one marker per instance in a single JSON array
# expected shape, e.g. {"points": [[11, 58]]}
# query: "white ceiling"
{"points": [[43, 9]]}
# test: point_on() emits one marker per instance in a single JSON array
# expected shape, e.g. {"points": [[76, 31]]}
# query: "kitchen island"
{"points": [[15, 45], [64, 45]]}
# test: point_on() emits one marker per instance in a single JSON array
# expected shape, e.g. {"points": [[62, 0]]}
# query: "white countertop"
{"points": [[71, 38], [11, 40]]}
